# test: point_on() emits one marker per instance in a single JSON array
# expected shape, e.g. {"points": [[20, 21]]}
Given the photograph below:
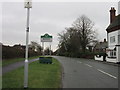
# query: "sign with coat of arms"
{"points": [[46, 38]]}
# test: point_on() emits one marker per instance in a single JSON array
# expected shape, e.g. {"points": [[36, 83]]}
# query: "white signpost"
{"points": [[28, 5], [46, 38]]}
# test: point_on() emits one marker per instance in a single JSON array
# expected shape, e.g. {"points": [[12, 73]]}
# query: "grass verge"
{"points": [[10, 61], [40, 76]]}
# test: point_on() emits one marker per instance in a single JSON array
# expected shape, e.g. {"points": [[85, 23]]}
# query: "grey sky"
{"points": [[52, 18]]}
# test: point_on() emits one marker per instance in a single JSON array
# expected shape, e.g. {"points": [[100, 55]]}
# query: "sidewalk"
{"points": [[14, 66], [111, 63]]}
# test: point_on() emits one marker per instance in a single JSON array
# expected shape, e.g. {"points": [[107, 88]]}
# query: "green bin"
{"points": [[45, 60]]}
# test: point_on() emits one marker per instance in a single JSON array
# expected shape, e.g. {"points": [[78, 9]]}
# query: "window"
{"points": [[118, 38], [112, 39], [113, 53]]}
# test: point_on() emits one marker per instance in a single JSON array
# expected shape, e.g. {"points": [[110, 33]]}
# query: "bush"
{"points": [[16, 52], [87, 55], [100, 53]]}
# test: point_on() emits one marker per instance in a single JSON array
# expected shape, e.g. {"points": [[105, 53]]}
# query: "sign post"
{"points": [[46, 38], [28, 5]]}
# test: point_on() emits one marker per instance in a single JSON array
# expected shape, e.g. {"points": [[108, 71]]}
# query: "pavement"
{"points": [[87, 73], [14, 66]]}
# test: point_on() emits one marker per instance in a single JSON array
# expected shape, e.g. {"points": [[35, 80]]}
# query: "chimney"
{"points": [[118, 8], [112, 14], [105, 40]]}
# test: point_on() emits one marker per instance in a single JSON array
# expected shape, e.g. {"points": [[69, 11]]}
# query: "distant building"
{"points": [[101, 46], [113, 35]]}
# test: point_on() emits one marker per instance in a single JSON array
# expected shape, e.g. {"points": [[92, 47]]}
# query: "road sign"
{"points": [[46, 38], [28, 4]]}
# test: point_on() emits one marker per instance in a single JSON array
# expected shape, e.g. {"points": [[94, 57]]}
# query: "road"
{"points": [[83, 73], [14, 66]]}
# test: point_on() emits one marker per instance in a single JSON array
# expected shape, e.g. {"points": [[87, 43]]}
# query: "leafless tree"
{"points": [[35, 46], [85, 29], [75, 39]]}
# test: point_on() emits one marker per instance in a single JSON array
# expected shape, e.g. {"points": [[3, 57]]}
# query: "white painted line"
{"points": [[79, 62], [88, 65], [107, 74]]}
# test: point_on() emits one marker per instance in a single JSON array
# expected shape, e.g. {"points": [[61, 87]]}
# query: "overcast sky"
{"points": [[52, 18]]}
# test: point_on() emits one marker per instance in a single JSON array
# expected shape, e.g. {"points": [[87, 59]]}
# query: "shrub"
{"points": [[16, 52]]}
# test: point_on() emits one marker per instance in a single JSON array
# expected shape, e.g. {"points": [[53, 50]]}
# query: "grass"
{"points": [[40, 76], [10, 61]]}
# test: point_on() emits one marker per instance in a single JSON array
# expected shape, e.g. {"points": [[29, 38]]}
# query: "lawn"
{"points": [[40, 76], [10, 61]]}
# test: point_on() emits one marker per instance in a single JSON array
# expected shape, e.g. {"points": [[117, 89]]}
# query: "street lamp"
{"points": [[28, 5]]}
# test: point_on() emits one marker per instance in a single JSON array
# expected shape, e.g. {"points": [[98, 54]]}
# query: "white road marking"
{"points": [[107, 74], [79, 62], [88, 65]]}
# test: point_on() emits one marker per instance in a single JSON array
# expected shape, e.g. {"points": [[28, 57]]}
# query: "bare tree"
{"points": [[68, 40], [35, 46], [74, 40], [63, 39], [85, 29], [47, 51]]}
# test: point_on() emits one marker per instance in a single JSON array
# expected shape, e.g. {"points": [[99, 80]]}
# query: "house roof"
{"points": [[115, 25], [101, 45]]}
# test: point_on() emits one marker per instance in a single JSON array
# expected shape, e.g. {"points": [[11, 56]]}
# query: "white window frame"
{"points": [[119, 38], [112, 53], [112, 39]]}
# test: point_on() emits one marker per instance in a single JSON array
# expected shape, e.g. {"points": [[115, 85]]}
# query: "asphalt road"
{"points": [[84, 73], [14, 66]]}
